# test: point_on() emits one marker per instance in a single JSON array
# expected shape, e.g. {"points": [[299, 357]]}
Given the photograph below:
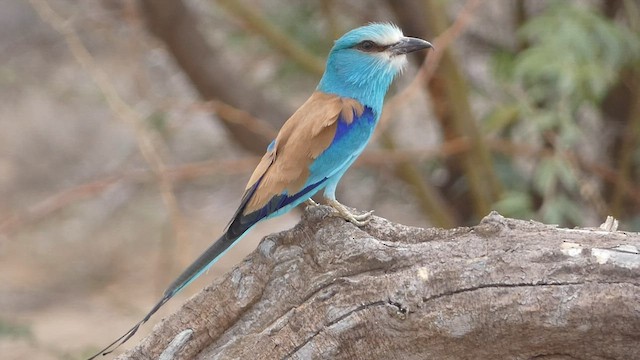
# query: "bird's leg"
{"points": [[343, 212], [310, 202]]}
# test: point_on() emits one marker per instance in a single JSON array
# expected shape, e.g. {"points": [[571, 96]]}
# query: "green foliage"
{"points": [[574, 57], [301, 20], [515, 203], [501, 118], [576, 54], [10, 329], [158, 121]]}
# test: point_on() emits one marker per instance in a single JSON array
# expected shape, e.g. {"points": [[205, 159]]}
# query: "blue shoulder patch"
{"points": [[367, 119], [271, 145]]}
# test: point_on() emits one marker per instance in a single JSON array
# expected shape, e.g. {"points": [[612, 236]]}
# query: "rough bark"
{"points": [[504, 289]]}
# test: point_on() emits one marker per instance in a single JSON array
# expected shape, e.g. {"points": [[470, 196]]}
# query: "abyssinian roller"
{"points": [[316, 145]]}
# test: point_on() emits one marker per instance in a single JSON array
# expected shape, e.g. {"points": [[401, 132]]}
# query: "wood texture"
{"points": [[504, 289]]}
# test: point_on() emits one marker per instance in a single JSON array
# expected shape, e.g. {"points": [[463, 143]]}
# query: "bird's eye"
{"points": [[366, 45]]}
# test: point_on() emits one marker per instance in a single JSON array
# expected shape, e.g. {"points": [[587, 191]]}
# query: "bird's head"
{"points": [[364, 61]]}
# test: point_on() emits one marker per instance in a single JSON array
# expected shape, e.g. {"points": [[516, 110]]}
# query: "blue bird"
{"points": [[316, 145]]}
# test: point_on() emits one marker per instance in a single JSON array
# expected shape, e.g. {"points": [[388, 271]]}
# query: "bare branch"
{"points": [[147, 144], [329, 289], [211, 74], [277, 38]]}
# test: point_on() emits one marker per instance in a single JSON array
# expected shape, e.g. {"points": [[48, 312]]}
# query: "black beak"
{"points": [[408, 45]]}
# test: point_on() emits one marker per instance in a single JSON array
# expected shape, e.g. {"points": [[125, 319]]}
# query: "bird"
{"points": [[316, 145]]}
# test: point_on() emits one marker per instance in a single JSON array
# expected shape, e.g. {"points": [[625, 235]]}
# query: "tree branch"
{"points": [[500, 289], [209, 72], [449, 94], [276, 37], [427, 195]]}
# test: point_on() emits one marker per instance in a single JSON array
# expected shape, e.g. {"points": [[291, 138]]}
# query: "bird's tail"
{"points": [[123, 339], [203, 262], [199, 266]]}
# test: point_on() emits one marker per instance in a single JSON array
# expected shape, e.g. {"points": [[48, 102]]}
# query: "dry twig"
{"points": [[120, 108]]}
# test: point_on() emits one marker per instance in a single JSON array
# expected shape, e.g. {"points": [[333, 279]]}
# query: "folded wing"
{"points": [[282, 178]]}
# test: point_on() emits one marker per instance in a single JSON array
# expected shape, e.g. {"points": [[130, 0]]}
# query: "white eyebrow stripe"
{"points": [[388, 38]]}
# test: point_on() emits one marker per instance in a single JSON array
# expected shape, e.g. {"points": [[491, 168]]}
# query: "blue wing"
{"points": [[347, 144]]}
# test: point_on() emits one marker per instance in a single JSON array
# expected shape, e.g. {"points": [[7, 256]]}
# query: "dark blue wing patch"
{"points": [[367, 116], [242, 223]]}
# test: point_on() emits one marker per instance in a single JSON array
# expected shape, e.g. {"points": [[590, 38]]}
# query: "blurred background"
{"points": [[129, 129]]}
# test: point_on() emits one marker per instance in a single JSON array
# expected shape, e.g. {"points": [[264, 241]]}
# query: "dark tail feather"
{"points": [[123, 339], [202, 263]]}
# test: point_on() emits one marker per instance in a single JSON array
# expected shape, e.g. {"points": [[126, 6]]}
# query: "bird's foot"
{"points": [[310, 202], [343, 212]]}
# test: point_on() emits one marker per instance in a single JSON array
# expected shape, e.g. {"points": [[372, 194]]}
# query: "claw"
{"points": [[310, 202], [356, 219]]}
